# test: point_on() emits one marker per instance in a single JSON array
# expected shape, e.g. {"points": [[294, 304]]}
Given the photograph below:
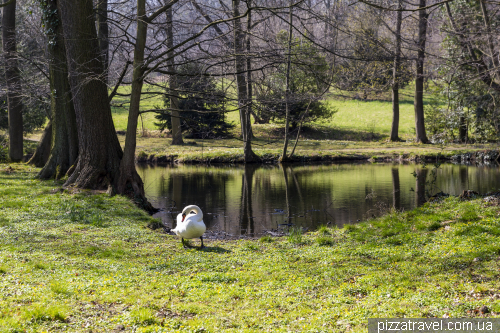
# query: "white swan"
{"points": [[190, 225]]}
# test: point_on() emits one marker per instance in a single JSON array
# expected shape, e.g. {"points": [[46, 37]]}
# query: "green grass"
{"points": [[120, 105], [359, 129], [59, 272]]}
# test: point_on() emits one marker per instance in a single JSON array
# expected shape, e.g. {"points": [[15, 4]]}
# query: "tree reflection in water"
{"points": [[252, 199]]}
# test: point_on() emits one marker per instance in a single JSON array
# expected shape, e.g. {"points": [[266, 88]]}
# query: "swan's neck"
{"points": [[198, 213]]}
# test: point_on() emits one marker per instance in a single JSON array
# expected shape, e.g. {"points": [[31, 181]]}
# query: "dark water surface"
{"points": [[251, 200]]}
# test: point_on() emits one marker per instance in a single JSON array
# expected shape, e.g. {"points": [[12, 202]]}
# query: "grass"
{"points": [[60, 272], [359, 130]]}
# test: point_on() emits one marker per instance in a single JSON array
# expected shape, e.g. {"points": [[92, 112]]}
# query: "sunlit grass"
{"points": [[59, 273]]}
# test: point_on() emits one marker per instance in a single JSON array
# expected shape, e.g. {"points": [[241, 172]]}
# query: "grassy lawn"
{"points": [[82, 262], [360, 128], [354, 116]]}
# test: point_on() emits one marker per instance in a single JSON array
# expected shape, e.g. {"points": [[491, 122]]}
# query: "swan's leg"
{"points": [[183, 244], [202, 246]]}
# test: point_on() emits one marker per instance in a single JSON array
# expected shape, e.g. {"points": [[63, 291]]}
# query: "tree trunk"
{"points": [[42, 152], [463, 129], [103, 35], [284, 153], [395, 77], [249, 67], [419, 80], [13, 79], [172, 84], [100, 153], [249, 155], [129, 182], [64, 137]]}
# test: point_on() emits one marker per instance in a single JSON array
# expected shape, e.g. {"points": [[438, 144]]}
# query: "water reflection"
{"points": [[250, 200]]}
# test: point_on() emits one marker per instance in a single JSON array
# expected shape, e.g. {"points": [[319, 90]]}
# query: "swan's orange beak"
{"points": [[183, 217]]}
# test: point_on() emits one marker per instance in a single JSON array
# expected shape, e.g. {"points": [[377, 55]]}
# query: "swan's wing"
{"points": [[179, 222]]}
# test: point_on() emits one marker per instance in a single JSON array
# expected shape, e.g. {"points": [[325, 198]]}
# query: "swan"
{"points": [[190, 225]]}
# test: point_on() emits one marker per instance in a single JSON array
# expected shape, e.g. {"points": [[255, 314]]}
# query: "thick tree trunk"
{"points": [[14, 92], [103, 35], [99, 150], [249, 155], [172, 84], [284, 153], [395, 77], [42, 152], [64, 137], [419, 80]]}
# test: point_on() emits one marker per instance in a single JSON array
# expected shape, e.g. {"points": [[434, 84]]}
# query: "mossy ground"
{"points": [[82, 262]]}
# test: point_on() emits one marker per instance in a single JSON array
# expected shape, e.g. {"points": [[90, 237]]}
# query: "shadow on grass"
{"points": [[328, 133], [216, 249]]}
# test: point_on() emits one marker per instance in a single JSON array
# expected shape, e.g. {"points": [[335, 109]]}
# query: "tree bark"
{"points": [[129, 182], [249, 155], [42, 152], [64, 136], [100, 153], [103, 35], [284, 153], [249, 66], [172, 83], [419, 80], [13, 79], [395, 76]]}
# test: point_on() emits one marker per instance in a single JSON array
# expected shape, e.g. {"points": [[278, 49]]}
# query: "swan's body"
{"points": [[190, 225]]}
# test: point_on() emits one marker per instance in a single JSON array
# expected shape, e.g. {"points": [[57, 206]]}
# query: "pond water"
{"points": [[253, 200]]}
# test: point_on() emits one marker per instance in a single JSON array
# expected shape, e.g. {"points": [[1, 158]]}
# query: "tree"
{"points": [[100, 154], [307, 81], [201, 105], [13, 79], [63, 131], [241, 84], [172, 83], [103, 35], [395, 77], [419, 80]]}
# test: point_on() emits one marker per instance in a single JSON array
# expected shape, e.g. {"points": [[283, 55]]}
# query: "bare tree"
{"points": [[395, 76], [172, 83], [419, 80], [240, 65], [13, 79]]}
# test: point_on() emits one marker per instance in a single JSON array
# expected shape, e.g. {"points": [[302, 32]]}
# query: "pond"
{"points": [[253, 200]]}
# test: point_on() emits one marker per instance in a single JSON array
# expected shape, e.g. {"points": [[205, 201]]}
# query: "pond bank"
{"points": [[455, 156], [79, 262]]}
